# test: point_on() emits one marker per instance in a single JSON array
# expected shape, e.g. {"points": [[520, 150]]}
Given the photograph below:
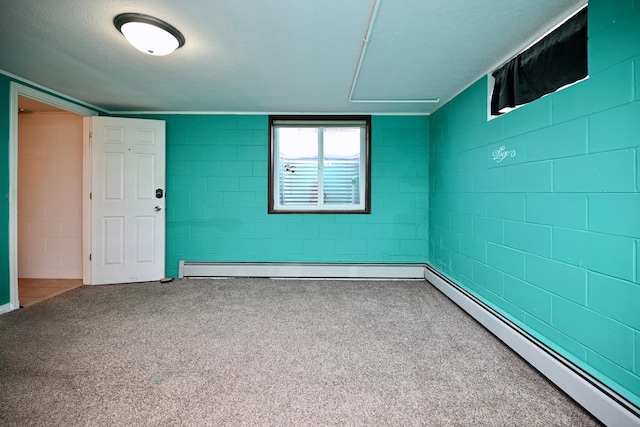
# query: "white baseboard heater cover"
{"points": [[301, 270], [603, 403]]}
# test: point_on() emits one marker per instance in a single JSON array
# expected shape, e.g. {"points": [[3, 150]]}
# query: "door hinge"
{"points": [[90, 134], [89, 257], [90, 196]]}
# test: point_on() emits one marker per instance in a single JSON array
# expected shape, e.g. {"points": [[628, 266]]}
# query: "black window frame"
{"points": [[320, 119]]}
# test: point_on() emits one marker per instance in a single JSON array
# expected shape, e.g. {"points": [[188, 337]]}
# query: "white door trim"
{"points": [[15, 90]]}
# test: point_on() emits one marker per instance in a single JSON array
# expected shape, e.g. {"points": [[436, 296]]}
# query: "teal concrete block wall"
{"points": [[4, 189], [549, 235], [217, 176]]}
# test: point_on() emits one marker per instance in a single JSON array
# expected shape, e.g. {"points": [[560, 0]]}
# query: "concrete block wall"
{"points": [[217, 174], [537, 211], [50, 196]]}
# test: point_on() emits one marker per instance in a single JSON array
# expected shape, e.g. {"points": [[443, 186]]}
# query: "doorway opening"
{"points": [[49, 200], [46, 201]]}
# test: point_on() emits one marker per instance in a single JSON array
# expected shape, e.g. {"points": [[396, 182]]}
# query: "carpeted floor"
{"points": [[260, 352]]}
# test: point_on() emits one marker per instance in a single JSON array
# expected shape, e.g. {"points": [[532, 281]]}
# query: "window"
{"points": [[319, 164], [559, 59]]}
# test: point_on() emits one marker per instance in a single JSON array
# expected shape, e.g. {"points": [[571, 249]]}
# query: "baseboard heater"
{"points": [[606, 405], [301, 270]]}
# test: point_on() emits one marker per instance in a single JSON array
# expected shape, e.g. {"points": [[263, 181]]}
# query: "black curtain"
{"points": [[557, 60]]}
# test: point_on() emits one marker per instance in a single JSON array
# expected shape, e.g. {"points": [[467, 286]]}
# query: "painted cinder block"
{"points": [[461, 264], [185, 152], [239, 199], [319, 247], [223, 183], [451, 240], [253, 184], [489, 229], [604, 172], [529, 117], [638, 169], [458, 183], [189, 214], [493, 300], [451, 165], [220, 152], [192, 136], [191, 246], [528, 178], [303, 231], [603, 14], [506, 206], [209, 200], [615, 129], [474, 248], [558, 278], [623, 33], [411, 250], [179, 198], [489, 181], [210, 229], [350, 246], [561, 210], [602, 91], [488, 277], [604, 253], [252, 152], [473, 160], [615, 214], [259, 168], [637, 368], [614, 298], [532, 238], [284, 249], [175, 168], [531, 299], [446, 201], [637, 261], [204, 168], [195, 184], [253, 121], [236, 168], [461, 223], [473, 204], [270, 231], [609, 338], [506, 259], [235, 137], [563, 140]]}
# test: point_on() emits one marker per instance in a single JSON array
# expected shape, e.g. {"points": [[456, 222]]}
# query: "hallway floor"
{"points": [[31, 291]]}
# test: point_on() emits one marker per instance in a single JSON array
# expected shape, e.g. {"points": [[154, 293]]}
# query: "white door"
{"points": [[127, 200]]}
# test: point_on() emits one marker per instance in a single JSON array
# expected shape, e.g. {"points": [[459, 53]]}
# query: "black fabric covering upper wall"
{"points": [[555, 61]]}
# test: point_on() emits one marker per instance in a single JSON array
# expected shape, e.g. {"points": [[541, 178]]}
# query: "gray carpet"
{"points": [[260, 352]]}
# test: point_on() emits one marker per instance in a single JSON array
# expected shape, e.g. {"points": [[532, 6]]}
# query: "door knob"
{"points": [[157, 209]]}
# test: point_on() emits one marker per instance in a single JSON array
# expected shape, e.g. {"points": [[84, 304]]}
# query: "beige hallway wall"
{"points": [[50, 195]]}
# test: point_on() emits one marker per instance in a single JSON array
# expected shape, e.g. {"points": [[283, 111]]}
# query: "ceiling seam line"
{"points": [[363, 51]]}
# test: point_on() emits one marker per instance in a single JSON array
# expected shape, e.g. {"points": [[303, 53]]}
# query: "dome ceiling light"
{"points": [[148, 34]]}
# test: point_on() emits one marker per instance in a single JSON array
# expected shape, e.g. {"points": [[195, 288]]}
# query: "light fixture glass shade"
{"points": [[148, 34]]}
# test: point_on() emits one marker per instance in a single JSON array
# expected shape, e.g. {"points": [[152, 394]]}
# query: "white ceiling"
{"points": [[271, 56]]}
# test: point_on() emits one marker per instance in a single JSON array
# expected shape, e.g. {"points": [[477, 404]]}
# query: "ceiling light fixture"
{"points": [[148, 34]]}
